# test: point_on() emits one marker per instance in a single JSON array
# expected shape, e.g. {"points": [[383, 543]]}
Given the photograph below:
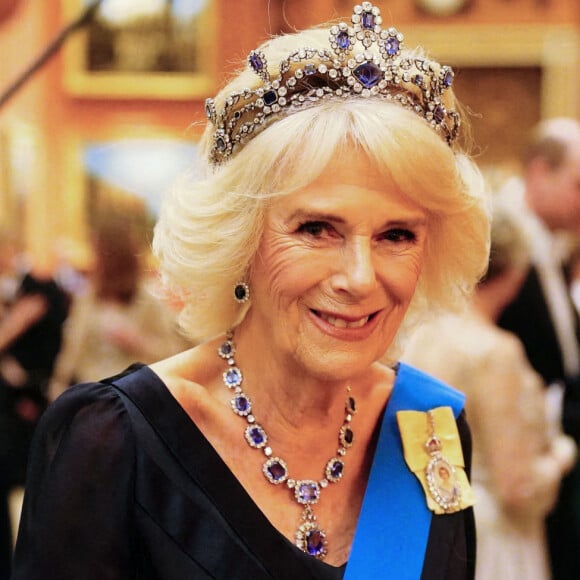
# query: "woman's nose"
{"points": [[355, 271]]}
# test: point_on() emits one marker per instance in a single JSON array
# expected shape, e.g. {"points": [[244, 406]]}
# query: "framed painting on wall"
{"points": [[510, 77], [122, 172], [140, 48]]}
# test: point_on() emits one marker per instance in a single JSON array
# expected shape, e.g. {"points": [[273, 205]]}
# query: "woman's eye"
{"points": [[315, 229], [399, 235]]}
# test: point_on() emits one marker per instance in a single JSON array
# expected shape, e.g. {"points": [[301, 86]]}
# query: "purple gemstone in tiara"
{"points": [[392, 45], [448, 78], [367, 20], [256, 62], [220, 144], [343, 40], [270, 97], [342, 70], [439, 114], [368, 74], [309, 69]]}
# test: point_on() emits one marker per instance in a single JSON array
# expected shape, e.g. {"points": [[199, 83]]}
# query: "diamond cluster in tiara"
{"points": [[306, 76]]}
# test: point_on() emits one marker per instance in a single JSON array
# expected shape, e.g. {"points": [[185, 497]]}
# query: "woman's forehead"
{"points": [[345, 192]]}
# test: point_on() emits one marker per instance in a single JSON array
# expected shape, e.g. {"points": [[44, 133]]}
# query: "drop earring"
{"points": [[241, 292]]}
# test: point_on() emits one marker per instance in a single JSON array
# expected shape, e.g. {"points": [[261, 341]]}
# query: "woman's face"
{"points": [[336, 269]]}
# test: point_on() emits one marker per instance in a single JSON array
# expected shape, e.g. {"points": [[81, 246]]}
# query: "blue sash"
{"points": [[393, 527]]}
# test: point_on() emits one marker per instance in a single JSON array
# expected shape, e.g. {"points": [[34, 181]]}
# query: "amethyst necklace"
{"points": [[310, 537]]}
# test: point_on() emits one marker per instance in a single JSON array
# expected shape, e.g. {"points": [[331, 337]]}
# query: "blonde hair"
{"points": [[210, 225]]}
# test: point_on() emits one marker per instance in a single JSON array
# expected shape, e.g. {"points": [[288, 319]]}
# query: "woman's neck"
{"points": [[280, 389]]}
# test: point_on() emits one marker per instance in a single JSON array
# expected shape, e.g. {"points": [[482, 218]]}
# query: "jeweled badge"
{"points": [[442, 480]]}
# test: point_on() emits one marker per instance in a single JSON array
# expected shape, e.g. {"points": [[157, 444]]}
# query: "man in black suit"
{"points": [[543, 315]]}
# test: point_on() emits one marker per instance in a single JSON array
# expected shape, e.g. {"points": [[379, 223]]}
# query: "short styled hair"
{"points": [[510, 244], [211, 223], [550, 140]]}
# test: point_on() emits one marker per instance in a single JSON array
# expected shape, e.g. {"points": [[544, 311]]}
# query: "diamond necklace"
{"points": [[310, 537]]}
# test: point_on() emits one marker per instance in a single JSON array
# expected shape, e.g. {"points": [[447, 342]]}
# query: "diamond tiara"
{"points": [[306, 76]]}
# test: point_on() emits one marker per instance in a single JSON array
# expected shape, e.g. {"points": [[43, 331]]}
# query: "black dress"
{"points": [[123, 485]]}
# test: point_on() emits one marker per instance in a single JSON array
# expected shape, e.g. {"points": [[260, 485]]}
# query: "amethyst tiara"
{"points": [[348, 68]]}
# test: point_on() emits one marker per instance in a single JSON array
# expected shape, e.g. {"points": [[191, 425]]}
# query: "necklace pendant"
{"points": [[310, 537]]}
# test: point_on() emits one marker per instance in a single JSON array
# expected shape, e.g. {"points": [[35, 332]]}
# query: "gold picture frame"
{"points": [[164, 55], [20, 148], [555, 49], [514, 75], [120, 168]]}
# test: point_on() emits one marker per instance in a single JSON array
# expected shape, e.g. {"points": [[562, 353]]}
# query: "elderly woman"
{"points": [[335, 208]]}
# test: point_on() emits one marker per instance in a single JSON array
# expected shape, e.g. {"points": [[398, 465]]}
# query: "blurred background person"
{"points": [[520, 454], [574, 275], [118, 318], [33, 313], [542, 314], [9, 268]]}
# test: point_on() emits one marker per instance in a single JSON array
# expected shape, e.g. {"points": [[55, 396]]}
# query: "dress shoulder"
{"points": [[93, 413], [77, 514]]}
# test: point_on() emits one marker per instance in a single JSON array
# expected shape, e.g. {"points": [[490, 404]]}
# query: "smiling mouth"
{"points": [[341, 322]]}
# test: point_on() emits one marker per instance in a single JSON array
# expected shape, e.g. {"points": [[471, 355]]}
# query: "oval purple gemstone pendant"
{"points": [[310, 538], [315, 542]]}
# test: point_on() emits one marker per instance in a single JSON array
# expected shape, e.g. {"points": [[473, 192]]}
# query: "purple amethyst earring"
{"points": [[241, 292]]}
